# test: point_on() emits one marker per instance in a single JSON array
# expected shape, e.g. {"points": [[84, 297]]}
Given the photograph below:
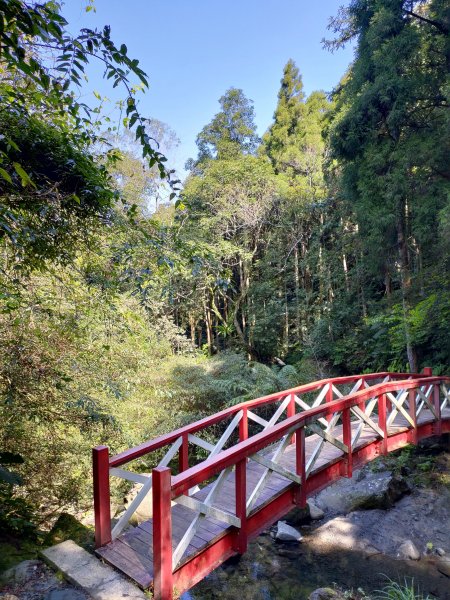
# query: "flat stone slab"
{"points": [[87, 572]]}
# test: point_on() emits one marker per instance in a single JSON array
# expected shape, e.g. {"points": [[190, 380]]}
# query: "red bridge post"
{"points": [[162, 534], [102, 507], [329, 398], [382, 408], [183, 456], [347, 439], [243, 425]]}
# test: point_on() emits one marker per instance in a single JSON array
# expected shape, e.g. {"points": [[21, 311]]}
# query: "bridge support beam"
{"points": [[162, 534], [102, 506]]}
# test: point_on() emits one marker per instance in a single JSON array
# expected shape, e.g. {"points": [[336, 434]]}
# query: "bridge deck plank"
{"points": [[131, 552]]}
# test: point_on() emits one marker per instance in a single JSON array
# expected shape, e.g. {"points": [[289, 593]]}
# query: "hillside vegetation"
{"points": [[130, 304]]}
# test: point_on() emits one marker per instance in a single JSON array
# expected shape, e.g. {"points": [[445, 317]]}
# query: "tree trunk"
{"points": [[192, 327], [209, 333], [297, 293], [405, 278]]}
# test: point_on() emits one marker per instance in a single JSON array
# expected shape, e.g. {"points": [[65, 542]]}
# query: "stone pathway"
{"points": [[33, 580], [74, 575], [86, 571]]}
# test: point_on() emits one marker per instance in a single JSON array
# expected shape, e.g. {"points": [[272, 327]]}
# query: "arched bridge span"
{"points": [[261, 458]]}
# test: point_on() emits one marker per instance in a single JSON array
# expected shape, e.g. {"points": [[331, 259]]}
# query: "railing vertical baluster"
{"points": [[243, 425], [241, 505], [437, 409], [183, 456], [300, 467], [382, 410], [102, 506], [329, 398], [412, 414], [290, 412], [347, 439], [162, 534]]}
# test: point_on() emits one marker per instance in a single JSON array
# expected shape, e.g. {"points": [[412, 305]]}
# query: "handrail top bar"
{"points": [[166, 439], [227, 458]]}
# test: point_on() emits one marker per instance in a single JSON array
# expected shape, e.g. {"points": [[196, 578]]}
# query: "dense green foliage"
{"points": [[322, 247]]}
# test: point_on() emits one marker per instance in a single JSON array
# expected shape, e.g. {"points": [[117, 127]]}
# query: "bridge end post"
{"points": [[102, 506], [162, 534], [428, 371]]}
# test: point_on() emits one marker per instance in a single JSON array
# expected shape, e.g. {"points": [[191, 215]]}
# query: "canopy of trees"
{"points": [[322, 247]]}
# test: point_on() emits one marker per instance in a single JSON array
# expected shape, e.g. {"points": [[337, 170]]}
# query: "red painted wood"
{"points": [[210, 467], [290, 411], [241, 508], [162, 534], [102, 506], [235, 540], [300, 467], [198, 567], [427, 371], [243, 425], [382, 409], [347, 439], [329, 398], [164, 440], [183, 458]]}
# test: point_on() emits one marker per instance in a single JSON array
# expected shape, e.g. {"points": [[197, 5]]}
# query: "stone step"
{"points": [[87, 572]]}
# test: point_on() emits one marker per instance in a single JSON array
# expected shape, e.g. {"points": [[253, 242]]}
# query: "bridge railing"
{"points": [[376, 407], [236, 423]]}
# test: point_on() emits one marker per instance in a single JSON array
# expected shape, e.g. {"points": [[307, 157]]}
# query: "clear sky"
{"points": [[194, 50]]}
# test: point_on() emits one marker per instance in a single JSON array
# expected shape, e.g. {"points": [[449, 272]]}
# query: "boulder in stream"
{"points": [[365, 491], [286, 533], [408, 550], [325, 593]]}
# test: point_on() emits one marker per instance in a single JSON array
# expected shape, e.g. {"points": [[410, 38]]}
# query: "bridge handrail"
{"points": [[166, 439], [362, 422], [197, 474]]}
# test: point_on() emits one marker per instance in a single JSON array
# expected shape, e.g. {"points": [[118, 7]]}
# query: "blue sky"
{"points": [[194, 50]]}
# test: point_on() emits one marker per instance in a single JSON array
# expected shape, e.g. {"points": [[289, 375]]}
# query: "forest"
{"points": [[131, 302]]}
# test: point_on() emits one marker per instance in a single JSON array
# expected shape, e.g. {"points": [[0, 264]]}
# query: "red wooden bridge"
{"points": [[262, 457]]}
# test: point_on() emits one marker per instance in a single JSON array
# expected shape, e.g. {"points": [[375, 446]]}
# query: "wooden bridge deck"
{"points": [[132, 551]]}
